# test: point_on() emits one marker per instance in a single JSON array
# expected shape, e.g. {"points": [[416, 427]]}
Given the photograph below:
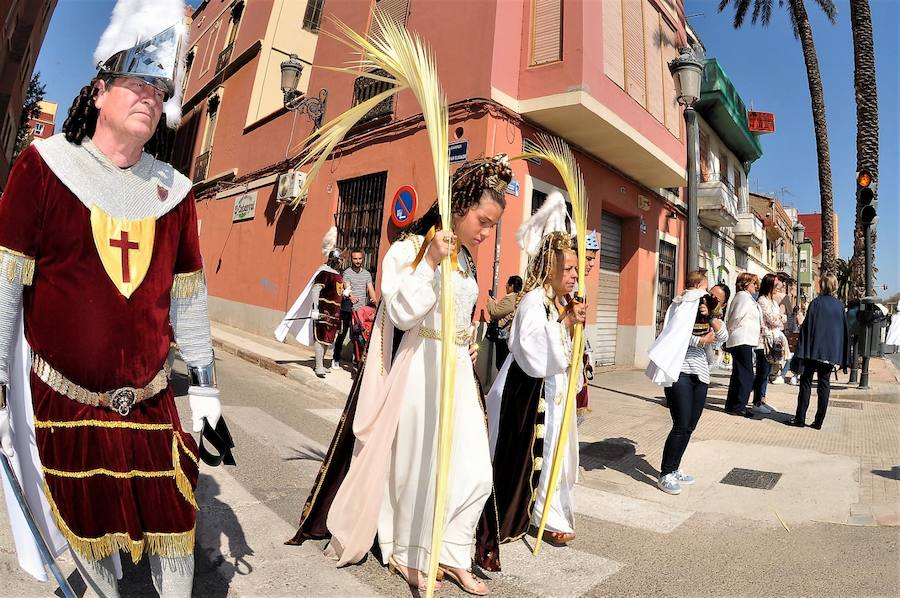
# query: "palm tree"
{"points": [[842, 272], [762, 12], [866, 127]]}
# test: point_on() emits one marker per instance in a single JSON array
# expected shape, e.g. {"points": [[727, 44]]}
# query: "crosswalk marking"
{"points": [[331, 415], [556, 571], [628, 511]]}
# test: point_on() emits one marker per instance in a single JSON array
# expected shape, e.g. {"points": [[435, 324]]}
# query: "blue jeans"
{"points": [[761, 381], [685, 399]]}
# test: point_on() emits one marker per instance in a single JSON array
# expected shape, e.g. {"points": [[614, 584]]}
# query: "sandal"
{"points": [[560, 538], [393, 568], [479, 588]]}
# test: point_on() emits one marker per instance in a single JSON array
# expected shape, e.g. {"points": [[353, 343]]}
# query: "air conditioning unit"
{"points": [[289, 184]]}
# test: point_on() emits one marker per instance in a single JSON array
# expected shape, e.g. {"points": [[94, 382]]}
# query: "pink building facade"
{"points": [[591, 73]]}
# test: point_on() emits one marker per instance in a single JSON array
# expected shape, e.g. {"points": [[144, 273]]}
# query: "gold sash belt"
{"points": [[120, 400], [462, 337]]}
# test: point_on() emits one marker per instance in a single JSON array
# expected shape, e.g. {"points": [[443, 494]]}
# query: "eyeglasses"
{"points": [[140, 86]]}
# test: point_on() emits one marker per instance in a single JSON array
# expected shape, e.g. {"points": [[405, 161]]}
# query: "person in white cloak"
{"points": [[679, 363], [531, 387]]}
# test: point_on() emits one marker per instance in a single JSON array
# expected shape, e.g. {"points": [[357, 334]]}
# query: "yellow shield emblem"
{"points": [[125, 248]]}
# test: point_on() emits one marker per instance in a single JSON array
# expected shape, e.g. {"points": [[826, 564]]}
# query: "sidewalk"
{"points": [[847, 473]]}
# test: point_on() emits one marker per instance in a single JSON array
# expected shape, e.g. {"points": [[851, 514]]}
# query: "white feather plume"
{"points": [[329, 242], [134, 21], [551, 217]]}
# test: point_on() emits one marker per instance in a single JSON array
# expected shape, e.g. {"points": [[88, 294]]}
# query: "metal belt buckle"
{"points": [[122, 399]]}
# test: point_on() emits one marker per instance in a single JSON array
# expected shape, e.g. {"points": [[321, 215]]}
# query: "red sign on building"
{"points": [[761, 122]]}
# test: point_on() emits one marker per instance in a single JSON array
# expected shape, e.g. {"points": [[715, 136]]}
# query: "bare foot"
{"points": [[466, 580]]}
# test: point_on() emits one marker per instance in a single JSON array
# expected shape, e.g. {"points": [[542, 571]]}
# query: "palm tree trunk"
{"points": [[866, 126], [817, 97]]}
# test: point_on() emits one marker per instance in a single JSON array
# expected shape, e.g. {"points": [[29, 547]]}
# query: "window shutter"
{"points": [[635, 83], [704, 156], [670, 102], [546, 45], [652, 46], [613, 44], [395, 10]]}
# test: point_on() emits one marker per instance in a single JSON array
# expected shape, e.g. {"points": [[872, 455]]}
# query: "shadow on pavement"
{"points": [[657, 400], [213, 570], [305, 453], [619, 454], [892, 474]]}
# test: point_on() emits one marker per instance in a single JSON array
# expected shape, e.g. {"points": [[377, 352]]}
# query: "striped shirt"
{"points": [[359, 283], [696, 361]]}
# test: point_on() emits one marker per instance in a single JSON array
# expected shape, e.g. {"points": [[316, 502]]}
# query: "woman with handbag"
{"points": [[770, 350], [743, 321]]}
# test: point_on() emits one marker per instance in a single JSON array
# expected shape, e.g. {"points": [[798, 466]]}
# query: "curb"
{"points": [[259, 360]]}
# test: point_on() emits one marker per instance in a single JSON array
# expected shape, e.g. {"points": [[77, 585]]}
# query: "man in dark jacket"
{"points": [[824, 344]]}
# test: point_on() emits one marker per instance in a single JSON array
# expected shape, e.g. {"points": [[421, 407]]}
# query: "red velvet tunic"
{"points": [[329, 322], [113, 482]]}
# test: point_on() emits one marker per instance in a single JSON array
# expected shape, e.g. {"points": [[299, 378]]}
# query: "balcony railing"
{"points": [[365, 88], [201, 166], [717, 201], [224, 57], [748, 232]]}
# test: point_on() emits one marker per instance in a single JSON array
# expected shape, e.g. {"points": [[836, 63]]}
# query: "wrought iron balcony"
{"points": [[201, 166], [365, 88], [224, 57], [748, 232], [717, 201]]}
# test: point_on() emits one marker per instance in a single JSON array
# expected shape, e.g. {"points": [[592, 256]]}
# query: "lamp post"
{"points": [[297, 101], [686, 70]]}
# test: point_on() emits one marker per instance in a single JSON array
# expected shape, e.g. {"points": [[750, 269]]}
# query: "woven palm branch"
{"points": [[410, 65], [560, 155]]}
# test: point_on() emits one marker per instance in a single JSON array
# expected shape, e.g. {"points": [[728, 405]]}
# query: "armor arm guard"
{"points": [[189, 313], [10, 309]]}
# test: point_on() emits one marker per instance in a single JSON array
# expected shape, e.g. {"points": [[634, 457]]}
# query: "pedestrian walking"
{"points": [[679, 363], [101, 254], [824, 346], [359, 291], [378, 477], [502, 313], [743, 322]]}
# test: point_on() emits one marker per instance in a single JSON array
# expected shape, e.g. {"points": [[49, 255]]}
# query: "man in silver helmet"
{"points": [[100, 238]]}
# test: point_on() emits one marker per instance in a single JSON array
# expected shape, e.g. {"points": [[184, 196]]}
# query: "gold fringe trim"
{"points": [[188, 285], [97, 423], [181, 480], [18, 266], [582, 411], [122, 475], [164, 544]]}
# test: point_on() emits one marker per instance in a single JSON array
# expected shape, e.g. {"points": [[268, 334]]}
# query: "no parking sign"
{"points": [[403, 207]]}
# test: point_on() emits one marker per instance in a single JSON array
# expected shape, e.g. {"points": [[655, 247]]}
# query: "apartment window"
{"points": [[313, 15], [665, 282], [396, 11], [212, 117], [360, 215], [210, 44], [546, 32], [739, 189], [704, 156], [365, 88], [188, 63], [39, 129], [537, 200]]}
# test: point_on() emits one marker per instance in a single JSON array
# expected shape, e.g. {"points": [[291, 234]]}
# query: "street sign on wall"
{"points": [[761, 122], [458, 150], [403, 206], [244, 207]]}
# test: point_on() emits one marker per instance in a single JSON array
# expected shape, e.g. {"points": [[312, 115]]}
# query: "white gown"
{"points": [[405, 521], [541, 346]]}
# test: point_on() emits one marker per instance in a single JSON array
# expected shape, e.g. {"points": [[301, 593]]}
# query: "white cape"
{"points": [[296, 321], [27, 465], [668, 350], [893, 334]]}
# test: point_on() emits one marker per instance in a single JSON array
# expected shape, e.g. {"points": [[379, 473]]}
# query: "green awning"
{"points": [[724, 111]]}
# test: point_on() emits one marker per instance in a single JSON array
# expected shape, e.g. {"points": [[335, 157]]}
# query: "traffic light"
{"points": [[865, 198]]}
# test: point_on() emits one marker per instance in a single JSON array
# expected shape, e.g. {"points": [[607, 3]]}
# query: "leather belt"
{"points": [[120, 400]]}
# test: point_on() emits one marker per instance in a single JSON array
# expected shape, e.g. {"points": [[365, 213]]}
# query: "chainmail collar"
{"points": [[149, 188]]}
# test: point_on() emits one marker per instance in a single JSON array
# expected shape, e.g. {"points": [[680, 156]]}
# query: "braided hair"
{"points": [[468, 184], [81, 122], [542, 266]]}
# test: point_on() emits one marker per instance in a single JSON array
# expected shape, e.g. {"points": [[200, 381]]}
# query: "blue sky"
{"points": [[765, 64]]}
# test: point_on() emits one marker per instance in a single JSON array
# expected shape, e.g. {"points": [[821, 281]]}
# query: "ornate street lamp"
{"points": [[687, 70], [297, 101]]}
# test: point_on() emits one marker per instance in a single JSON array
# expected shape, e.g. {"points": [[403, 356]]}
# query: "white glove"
{"points": [[204, 402], [6, 440], [314, 314]]}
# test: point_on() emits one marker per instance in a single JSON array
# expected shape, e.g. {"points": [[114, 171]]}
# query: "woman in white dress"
{"points": [[527, 402], [394, 405]]}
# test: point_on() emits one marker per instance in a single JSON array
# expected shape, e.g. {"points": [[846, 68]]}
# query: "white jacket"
{"points": [[743, 321]]}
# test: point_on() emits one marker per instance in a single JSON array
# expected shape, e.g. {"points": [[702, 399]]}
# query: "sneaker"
{"points": [[683, 478], [778, 380], [669, 484], [763, 408]]}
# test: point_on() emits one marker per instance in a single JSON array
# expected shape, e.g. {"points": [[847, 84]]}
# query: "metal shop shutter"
{"points": [[603, 340]]}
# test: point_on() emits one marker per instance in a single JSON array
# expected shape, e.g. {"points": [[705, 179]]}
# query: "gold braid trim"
{"points": [[181, 480], [122, 475], [186, 450], [161, 543], [18, 266], [97, 423], [188, 285]]}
